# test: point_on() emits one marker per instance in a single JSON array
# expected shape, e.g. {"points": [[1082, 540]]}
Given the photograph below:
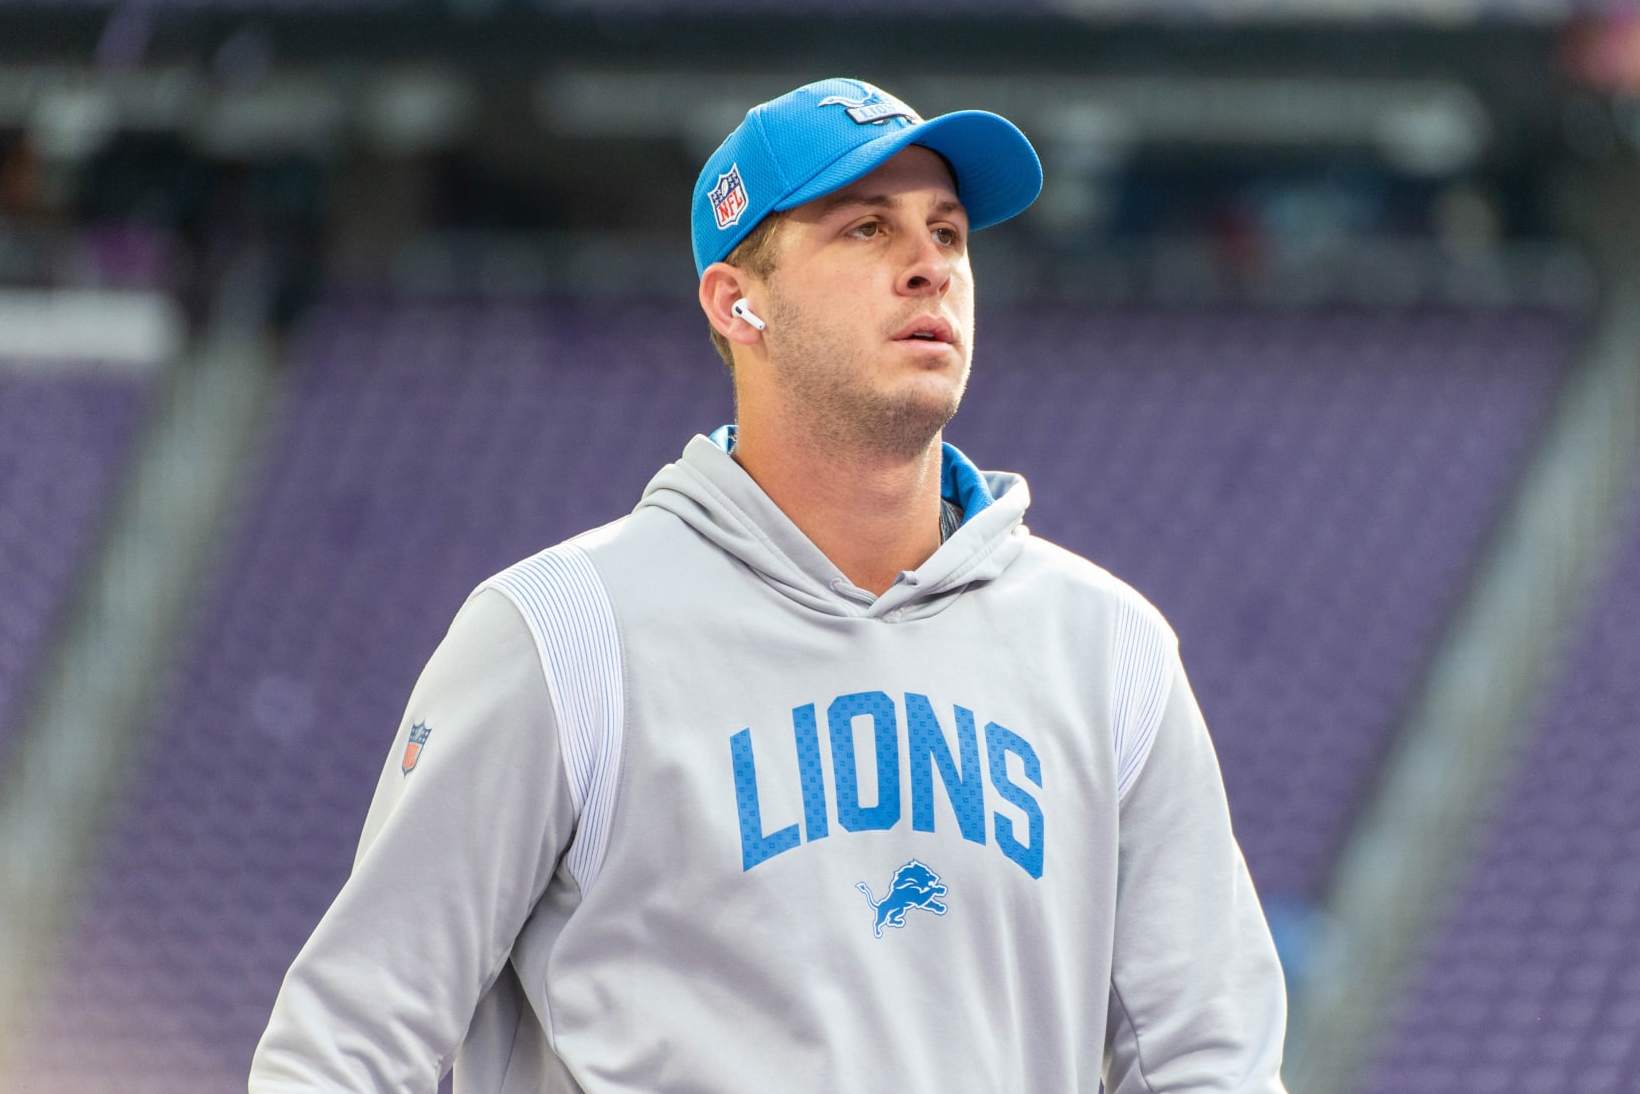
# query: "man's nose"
{"points": [[928, 268]]}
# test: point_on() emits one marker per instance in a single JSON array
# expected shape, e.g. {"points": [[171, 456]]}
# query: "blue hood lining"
{"points": [[960, 481]]}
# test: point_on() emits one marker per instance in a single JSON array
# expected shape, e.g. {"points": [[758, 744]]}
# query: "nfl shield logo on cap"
{"points": [[728, 198]]}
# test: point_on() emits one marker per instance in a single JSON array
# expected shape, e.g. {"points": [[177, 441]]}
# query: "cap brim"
{"points": [[998, 173]]}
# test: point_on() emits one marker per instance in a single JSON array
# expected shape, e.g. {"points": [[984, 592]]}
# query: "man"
{"points": [[817, 771]]}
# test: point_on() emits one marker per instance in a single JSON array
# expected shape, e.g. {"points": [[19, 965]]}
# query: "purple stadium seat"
{"points": [[1532, 982], [1304, 494]]}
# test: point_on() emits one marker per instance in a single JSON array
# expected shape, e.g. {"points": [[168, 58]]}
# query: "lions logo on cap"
{"points": [[728, 198], [873, 108]]}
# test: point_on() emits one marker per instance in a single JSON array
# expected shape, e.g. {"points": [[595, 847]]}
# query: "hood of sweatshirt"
{"points": [[714, 495]]}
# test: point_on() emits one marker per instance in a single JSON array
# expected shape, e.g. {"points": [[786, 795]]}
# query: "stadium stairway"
{"points": [[1393, 884], [92, 701]]}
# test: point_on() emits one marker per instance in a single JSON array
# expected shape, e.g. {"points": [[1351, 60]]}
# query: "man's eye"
{"points": [[951, 238]]}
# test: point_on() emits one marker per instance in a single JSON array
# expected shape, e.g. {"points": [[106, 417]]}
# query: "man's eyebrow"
{"points": [[831, 204]]}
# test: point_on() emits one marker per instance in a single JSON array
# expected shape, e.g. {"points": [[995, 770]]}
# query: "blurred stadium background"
{"points": [[1325, 334]]}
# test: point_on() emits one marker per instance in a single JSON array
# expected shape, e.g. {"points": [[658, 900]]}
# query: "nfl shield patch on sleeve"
{"points": [[412, 750]]}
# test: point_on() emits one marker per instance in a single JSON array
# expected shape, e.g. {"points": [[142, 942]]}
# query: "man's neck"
{"points": [[873, 514]]}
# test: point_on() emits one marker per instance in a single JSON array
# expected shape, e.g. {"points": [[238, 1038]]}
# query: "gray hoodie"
{"points": [[675, 806]]}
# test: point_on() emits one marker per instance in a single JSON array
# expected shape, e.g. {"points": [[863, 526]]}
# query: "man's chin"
{"points": [[934, 395], [905, 425]]}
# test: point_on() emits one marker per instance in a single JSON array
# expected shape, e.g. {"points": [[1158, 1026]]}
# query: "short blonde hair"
{"points": [[756, 255]]}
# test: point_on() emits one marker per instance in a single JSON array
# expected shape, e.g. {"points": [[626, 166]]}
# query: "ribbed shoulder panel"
{"points": [[563, 600], [1141, 679]]}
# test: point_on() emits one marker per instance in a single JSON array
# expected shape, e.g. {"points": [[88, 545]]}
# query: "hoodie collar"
{"points": [[712, 493]]}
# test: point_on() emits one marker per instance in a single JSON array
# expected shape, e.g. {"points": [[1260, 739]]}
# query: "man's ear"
{"points": [[720, 286]]}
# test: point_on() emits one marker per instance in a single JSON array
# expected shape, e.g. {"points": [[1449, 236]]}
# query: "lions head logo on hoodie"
{"points": [[914, 886]]}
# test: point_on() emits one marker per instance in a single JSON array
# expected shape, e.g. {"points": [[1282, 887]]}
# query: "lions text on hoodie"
{"points": [[675, 806]]}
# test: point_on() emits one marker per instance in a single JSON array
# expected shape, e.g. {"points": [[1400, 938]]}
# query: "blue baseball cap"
{"points": [[827, 134]]}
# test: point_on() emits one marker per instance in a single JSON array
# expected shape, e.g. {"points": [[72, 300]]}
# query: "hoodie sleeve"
{"points": [[455, 853], [1197, 1001]]}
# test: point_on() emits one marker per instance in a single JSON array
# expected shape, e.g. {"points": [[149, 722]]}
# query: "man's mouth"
{"points": [[927, 328]]}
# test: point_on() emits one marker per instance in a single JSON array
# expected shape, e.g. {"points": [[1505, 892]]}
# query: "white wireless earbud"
{"points": [[739, 308]]}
